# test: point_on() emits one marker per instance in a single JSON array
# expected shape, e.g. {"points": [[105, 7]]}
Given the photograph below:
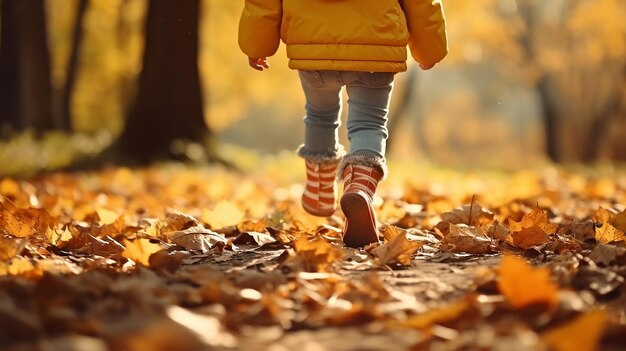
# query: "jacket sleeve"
{"points": [[259, 27], [427, 30]]}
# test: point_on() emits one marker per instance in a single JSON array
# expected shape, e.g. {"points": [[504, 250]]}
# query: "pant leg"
{"points": [[368, 101], [322, 91]]}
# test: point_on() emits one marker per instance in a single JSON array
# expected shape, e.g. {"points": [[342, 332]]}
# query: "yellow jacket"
{"points": [[357, 35]]}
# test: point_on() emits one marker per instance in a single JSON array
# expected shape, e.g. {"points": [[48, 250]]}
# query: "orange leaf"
{"points": [[608, 234], [23, 223], [620, 221], [529, 237], [523, 285], [397, 250], [315, 255], [437, 316], [582, 334], [140, 250]]}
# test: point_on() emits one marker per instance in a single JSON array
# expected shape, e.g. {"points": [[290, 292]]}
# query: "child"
{"points": [[360, 44]]}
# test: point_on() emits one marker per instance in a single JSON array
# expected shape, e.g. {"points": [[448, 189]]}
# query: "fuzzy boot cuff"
{"points": [[366, 159], [321, 157]]}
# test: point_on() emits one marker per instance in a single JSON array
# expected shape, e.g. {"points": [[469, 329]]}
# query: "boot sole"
{"points": [[360, 220]]}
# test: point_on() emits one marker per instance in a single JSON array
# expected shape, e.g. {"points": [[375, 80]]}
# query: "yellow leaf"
{"points": [[316, 255], [56, 236], [437, 316], [140, 250], [17, 266], [106, 216], [224, 214], [522, 285], [608, 234], [582, 334], [9, 187]]}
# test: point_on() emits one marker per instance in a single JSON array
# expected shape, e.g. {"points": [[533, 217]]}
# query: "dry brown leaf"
{"points": [[620, 221], [176, 220], [254, 238], [398, 249], [463, 238], [196, 238], [581, 334], [472, 215], [140, 250], [523, 285], [605, 255], [608, 234]]}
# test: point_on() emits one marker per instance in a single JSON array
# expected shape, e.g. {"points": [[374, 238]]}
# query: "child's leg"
{"points": [[368, 104], [321, 150], [323, 108], [365, 166]]}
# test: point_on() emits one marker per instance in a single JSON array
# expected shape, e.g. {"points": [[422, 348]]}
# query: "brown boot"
{"points": [[320, 194], [360, 182]]}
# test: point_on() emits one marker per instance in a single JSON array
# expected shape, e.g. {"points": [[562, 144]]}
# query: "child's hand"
{"points": [[258, 63], [426, 67]]}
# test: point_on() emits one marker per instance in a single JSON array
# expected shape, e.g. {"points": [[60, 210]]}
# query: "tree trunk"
{"points": [[9, 76], [550, 121], [63, 117], [34, 86], [401, 111], [169, 105]]}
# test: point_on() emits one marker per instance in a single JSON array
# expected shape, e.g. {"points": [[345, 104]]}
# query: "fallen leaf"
{"points": [[608, 234], [176, 220], [196, 238], [472, 215], [523, 285], [435, 316], [620, 221], [463, 238], [315, 255], [581, 334], [23, 222], [106, 216], [605, 255], [529, 237], [224, 214], [140, 250], [254, 238], [398, 249], [11, 247]]}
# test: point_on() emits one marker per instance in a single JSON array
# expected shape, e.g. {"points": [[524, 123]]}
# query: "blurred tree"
{"points": [[572, 52], [25, 83], [579, 82], [63, 116], [169, 105]]}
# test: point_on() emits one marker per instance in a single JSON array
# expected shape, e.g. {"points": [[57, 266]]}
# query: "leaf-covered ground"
{"points": [[196, 258]]}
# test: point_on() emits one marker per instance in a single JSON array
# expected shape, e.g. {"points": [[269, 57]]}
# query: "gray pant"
{"points": [[368, 105]]}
